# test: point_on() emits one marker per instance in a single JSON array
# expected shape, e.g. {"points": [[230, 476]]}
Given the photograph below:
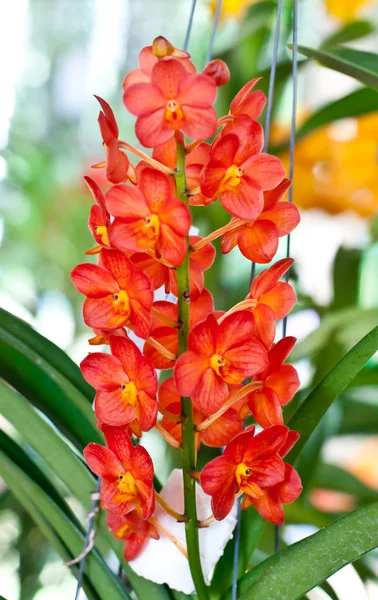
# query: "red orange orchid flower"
{"points": [[126, 473], [250, 464], [238, 172], [219, 354], [125, 384], [133, 530], [149, 217], [116, 293], [258, 238], [280, 383], [173, 100]]}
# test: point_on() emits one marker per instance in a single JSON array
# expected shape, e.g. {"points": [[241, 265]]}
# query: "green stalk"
{"points": [[188, 453]]}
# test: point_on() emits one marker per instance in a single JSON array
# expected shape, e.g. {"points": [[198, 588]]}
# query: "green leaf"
{"points": [[320, 399], [349, 33], [343, 326], [251, 527], [297, 569], [44, 385], [331, 477], [47, 350], [346, 274], [359, 417], [358, 64], [104, 582], [68, 467], [357, 103], [47, 443], [309, 458]]}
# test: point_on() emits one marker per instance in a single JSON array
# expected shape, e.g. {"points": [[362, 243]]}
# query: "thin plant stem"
{"points": [[169, 535], [234, 224], [168, 509], [167, 436], [188, 446], [246, 389], [140, 154]]}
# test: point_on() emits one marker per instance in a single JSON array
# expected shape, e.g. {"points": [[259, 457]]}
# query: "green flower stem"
{"points": [[188, 453]]}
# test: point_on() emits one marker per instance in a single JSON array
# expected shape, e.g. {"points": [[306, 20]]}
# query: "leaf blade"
{"points": [[309, 414]]}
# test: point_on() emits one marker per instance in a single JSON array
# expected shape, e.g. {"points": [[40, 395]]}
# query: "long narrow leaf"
{"points": [[98, 573], [35, 378], [360, 65], [46, 349], [320, 399], [289, 574]]}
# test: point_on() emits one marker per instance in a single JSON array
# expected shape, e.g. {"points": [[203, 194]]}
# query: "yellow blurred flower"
{"points": [[232, 8], [345, 10], [336, 167]]}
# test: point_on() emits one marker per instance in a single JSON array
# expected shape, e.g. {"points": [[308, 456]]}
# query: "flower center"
{"points": [[129, 393], [126, 485], [232, 177], [173, 111], [243, 471], [217, 362], [152, 222], [102, 232], [123, 531], [121, 302]]}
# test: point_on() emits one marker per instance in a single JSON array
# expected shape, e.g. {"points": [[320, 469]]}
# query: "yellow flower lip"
{"points": [[129, 393], [242, 471], [153, 222], [173, 111], [122, 531], [102, 231], [126, 484], [232, 177], [121, 302], [217, 362]]}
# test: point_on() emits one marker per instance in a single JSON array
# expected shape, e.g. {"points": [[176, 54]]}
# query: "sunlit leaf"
{"points": [[358, 64], [349, 33]]}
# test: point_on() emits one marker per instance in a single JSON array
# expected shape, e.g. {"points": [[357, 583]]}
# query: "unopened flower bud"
{"points": [[218, 71]]}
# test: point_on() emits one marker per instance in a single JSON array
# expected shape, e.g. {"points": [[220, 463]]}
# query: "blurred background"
{"points": [[55, 56]]}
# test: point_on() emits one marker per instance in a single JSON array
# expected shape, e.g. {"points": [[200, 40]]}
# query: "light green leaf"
{"points": [[360, 65], [320, 399], [297, 569], [349, 33]]}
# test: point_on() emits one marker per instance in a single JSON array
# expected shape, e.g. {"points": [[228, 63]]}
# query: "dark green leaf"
{"points": [[349, 33], [292, 572], [35, 499], [320, 399], [47, 443], [47, 350], [360, 65], [34, 377], [346, 274], [359, 417]]}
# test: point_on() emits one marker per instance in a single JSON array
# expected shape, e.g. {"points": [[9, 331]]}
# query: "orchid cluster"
{"points": [[224, 368]]}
